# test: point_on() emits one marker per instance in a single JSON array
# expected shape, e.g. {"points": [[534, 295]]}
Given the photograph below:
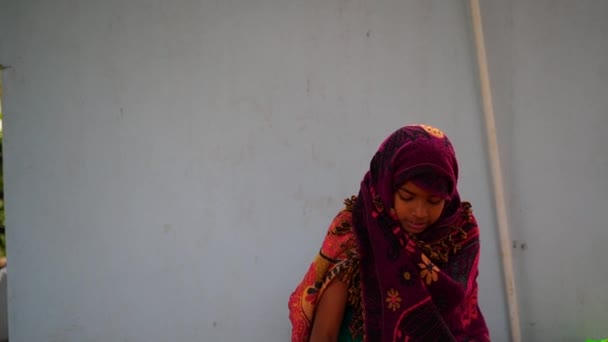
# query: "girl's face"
{"points": [[417, 208]]}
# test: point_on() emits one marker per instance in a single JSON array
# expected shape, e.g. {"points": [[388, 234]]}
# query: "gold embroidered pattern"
{"points": [[393, 299], [436, 132]]}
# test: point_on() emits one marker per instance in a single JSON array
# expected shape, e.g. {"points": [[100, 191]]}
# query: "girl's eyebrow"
{"points": [[414, 194], [406, 190]]}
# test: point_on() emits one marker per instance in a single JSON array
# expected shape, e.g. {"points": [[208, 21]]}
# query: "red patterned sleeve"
{"points": [[336, 258]]}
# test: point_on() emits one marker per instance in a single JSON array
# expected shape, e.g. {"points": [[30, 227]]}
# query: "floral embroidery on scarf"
{"points": [[428, 270], [436, 132], [439, 250], [470, 312], [393, 299]]}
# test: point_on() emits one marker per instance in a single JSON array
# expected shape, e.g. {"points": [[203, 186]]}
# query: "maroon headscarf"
{"points": [[417, 288]]}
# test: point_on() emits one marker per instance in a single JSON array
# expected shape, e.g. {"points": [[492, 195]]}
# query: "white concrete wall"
{"points": [[171, 168], [549, 65]]}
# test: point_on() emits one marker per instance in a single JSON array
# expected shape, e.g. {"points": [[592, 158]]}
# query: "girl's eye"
{"points": [[406, 198], [434, 201]]}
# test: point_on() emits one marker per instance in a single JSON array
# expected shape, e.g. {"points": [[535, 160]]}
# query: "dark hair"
{"points": [[427, 179]]}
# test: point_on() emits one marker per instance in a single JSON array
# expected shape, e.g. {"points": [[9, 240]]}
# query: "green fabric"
{"points": [[345, 334]]}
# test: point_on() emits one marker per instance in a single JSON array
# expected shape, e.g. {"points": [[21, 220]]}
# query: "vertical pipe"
{"points": [[497, 180]]}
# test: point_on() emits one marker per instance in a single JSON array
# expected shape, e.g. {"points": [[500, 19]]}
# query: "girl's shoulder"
{"points": [[340, 242]]}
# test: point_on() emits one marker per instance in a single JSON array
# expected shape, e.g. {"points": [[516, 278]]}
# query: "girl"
{"points": [[399, 262]]}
